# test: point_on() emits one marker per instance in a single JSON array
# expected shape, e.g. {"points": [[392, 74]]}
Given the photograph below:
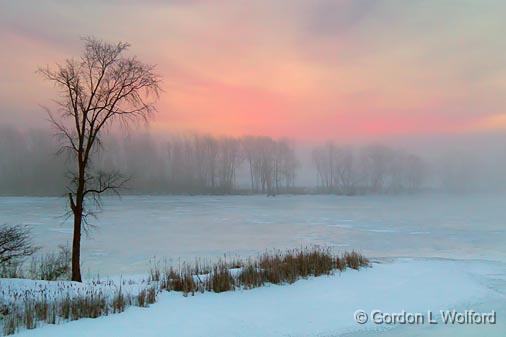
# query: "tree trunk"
{"points": [[77, 210], [76, 244], [251, 174]]}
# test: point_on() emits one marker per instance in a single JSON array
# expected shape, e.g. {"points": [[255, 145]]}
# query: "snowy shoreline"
{"points": [[321, 306]]}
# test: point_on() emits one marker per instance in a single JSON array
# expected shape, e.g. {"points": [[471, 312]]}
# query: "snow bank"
{"points": [[322, 306], [16, 290]]}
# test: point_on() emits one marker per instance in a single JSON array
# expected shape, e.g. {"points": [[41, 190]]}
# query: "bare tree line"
{"points": [[203, 164], [271, 164], [192, 163], [25, 157], [371, 169], [208, 164]]}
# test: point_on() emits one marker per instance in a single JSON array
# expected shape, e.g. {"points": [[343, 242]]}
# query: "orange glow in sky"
{"points": [[343, 69]]}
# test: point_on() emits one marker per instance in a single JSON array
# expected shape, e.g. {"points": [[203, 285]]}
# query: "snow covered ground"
{"points": [[323, 306], [455, 245]]}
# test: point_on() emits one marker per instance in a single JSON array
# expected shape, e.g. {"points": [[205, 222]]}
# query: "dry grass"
{"points": [[250, 276], [220, 279], [10, 324], [151, 295], [141, 298], [120, 301], [355, 260], [39, 306], [288, 267], [154, 271], [181, 280], [271, 267]]}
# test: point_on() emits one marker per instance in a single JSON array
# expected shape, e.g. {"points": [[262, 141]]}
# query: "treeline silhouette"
{"points": [[28, 163], [370, 169], [195, 164], [204, 164]]}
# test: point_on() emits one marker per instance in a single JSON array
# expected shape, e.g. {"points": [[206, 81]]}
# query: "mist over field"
{"points": [[30, 164]]}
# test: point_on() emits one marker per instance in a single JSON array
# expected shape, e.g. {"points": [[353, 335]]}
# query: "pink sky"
{"points": [[343, 69]]}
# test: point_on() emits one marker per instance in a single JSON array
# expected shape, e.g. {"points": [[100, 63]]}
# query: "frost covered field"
{"points": [[436, 251]]}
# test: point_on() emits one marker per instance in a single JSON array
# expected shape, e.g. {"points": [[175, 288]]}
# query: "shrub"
{"points": [[52, 266], [15, 243], [12, 269]]}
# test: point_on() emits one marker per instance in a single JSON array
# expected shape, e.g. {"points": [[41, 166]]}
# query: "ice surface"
{"points": [[132, 230]]}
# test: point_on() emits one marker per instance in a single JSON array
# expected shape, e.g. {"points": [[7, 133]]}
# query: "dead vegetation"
{"points": [[50, 266], [271, 267], [33, 308]]}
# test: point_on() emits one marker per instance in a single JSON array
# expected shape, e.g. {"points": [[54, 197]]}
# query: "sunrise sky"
{"points": [[319, 69]]}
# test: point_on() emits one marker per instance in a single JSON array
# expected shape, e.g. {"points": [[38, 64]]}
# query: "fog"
{"points": [[191, 163]]}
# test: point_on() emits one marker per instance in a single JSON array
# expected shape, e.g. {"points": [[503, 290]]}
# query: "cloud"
{"points": [[349, 67], [333, 18]]}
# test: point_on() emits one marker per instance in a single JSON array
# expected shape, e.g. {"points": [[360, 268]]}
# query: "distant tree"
{"points": [[101, 88], [373, 169], [346, 173], [377, 161], [267, 150], [414, 173], [15, 243], [251, 153], [229, 159], [285, 165], [324, 158]]}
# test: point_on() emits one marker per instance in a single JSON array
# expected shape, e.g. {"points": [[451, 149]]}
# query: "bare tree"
{"points": [[229, 158], [285, 164], [252, 156], [346, 175], [97, 90], [324, 158], [15, 243], [374, 169], [377, 161]]}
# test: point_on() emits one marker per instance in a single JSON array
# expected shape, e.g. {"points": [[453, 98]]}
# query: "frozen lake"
{"points": [[131, 230]]}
